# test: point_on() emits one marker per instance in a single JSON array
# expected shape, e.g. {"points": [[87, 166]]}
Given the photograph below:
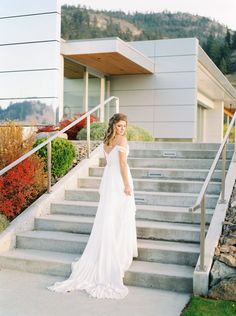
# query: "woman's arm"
{"points": [[124, 167]]}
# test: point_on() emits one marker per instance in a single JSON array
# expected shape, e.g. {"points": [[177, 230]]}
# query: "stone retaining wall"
{"points": [[223, 272]]}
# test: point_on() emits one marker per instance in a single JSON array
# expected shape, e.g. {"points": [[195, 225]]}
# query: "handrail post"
{"points": [[117, 105], [202, 235], [102, 97], [235, 141], [88, 136], [222, 197], [49, 165]]}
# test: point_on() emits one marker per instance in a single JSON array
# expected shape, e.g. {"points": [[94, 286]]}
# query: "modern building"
{"points": [[170, 87]]}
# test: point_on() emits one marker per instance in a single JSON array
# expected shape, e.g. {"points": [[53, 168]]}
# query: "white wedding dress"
{"points": [[113, 241]]}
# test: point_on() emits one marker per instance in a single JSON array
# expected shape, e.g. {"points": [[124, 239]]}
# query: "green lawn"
{"points": [[199, 306]]}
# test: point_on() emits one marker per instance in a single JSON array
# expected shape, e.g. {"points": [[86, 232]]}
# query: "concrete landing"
{"points": [[25, 294]]}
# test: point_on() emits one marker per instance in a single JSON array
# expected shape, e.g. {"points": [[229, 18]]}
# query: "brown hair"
{"points": [[110, 133]]}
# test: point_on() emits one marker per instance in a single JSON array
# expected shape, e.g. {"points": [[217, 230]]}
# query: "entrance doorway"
{"points": [[83, 89]]}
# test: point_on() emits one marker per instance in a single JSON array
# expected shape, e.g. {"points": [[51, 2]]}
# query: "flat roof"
{"points": [[111, 56], [213, 82]]}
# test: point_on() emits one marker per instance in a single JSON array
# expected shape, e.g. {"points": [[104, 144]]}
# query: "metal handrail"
{"points": [[50, 139], [200, 203]]}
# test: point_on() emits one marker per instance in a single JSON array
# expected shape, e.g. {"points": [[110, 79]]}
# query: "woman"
{"points": [[112, 243]]}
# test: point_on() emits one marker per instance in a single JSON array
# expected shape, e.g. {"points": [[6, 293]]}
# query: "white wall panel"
{"points": [[145, 47], [175, 64], [177, 47], [214, 119], [174, 129], [137, 97], [138, 113], [30, 29], [175, 97], [181, 80], [29, 84], [23, 7], [174, 113], [30, 56]]}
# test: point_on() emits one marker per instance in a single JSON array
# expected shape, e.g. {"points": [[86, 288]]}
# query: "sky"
{"points": [[222, 11]]}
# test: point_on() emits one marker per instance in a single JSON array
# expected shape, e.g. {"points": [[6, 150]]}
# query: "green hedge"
{"points": [[97, 132], [3, 222], [63, 155]]}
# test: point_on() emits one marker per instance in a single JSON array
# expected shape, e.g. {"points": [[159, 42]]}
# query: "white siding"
{"points": [[29, 84], [165, 102], [29, 28], [30, 56], [30, 63], [11, 8]]}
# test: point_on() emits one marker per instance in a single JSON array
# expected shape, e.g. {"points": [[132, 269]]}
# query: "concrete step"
{"points": [[145, 197], [158, 185], [148, 250], [158, 145], [145, 274], [145, 212], [145, 229], [159, 275], [178, 153], [170, 162], [163, 173]]}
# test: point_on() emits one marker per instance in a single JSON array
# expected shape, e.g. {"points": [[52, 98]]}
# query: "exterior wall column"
{"points": [[102, 98], [61, 90], [86, 83], [214, 123]]}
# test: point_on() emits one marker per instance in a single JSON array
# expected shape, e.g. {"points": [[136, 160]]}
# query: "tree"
{"points": [[223, 66], [233, 44], [228, 38], [215, 52]]}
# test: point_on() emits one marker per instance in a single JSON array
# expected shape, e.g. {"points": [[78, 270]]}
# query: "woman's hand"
{"points": [[128, 190]]}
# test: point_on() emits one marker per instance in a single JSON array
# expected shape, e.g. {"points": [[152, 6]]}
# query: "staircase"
{"points": [[167, 178]]}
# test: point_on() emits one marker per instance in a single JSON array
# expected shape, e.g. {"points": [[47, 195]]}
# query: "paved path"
{"points": [[25, 294]]}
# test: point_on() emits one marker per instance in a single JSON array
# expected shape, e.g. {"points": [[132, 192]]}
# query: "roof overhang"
{"points": [[212, 83], [111, 56]]}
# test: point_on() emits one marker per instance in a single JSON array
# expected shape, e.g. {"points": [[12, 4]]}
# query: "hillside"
{"points": [[80, 22], [216, 39]]}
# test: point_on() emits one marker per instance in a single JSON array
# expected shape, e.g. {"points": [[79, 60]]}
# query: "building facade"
{"points": [[170, 87]]}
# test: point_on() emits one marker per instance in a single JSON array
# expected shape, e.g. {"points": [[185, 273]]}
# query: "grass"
{"points": [[3, 222], [199, 306]]}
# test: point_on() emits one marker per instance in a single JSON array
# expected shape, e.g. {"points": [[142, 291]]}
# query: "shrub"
{"points": [[72, 132], [21, 185], [63, 155], [3, 222], [138, 133], [12, 145], [97, 132]]}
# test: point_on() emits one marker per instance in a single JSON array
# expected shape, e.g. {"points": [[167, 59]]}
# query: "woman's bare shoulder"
{"points": [[122, 141]]}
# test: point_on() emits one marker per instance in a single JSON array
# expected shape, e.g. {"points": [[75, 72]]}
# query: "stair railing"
{"points": [[48, 141], [201, 200]]}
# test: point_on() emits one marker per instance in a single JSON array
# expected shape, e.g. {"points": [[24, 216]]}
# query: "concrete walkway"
{"points": [[25, 294]]}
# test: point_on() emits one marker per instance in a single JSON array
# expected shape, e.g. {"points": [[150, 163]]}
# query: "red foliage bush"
{"points": [[47, 129], [20, 186], [25, 182], [72, 132]]}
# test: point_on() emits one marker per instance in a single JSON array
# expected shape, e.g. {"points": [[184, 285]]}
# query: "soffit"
{"points": [[109, 56]]}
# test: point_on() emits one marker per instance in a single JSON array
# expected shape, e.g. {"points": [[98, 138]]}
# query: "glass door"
{"points": [[73, 88]]}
